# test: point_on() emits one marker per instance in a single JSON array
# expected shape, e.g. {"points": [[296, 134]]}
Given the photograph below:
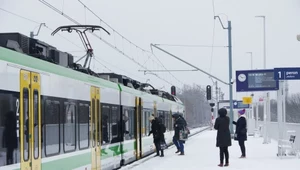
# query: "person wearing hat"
{"points": [[223, 136], [241, 131], [158, 135]]}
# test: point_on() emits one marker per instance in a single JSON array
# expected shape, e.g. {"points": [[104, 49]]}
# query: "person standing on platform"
{"points": [[223, 136], [241, 131], [158, 135]]}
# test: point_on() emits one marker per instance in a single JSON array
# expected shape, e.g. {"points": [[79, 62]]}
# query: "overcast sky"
{"points": [[170, 22]]}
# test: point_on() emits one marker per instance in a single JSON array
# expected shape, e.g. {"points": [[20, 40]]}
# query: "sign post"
{"points": [[257, 80], [283, 74]]}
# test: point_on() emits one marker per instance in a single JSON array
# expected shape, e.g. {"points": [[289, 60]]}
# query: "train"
{"points": [[69, 117]]}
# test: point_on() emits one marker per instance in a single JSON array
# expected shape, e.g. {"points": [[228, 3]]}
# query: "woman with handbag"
{"points": [[179, 127], [241, 131]]}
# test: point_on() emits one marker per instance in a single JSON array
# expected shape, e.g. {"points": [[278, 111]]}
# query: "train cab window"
{"points": [[83, 126], [51, 127], [105, 124], [69, 127]]}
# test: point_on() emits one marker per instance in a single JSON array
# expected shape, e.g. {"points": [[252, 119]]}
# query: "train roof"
{"points": [[48, 67]]}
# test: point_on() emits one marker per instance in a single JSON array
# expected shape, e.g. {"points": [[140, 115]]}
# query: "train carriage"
{"points": [[68, 119]]}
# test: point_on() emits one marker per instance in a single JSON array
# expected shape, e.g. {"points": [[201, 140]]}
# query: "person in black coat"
{"points": [[241, 131], [10, 139], [158, 135], [223, 136]]}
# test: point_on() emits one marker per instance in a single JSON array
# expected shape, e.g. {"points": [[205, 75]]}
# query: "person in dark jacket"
{"points": [[241, 131], [10, 136], [223, 136], [179, 124], [158, 135]]}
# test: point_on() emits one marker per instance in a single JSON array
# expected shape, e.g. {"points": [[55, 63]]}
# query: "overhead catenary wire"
{"points": [[101, 20], [191, 45], [36, 22], [106, 42]]}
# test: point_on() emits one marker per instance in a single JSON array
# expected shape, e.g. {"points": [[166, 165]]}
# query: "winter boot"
{"points": [[177, 151], [181, 153], [227, 164], [220, 165], [162, 153]]}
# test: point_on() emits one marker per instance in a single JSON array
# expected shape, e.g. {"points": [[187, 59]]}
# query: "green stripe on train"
{"points": [[85, 159]]}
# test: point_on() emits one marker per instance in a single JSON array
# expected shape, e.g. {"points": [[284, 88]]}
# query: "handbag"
{"points": [[183, 135], [235, 136], [163, 145]]}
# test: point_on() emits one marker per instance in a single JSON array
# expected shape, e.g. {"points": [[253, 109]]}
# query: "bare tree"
{"points": [[196, 106]]}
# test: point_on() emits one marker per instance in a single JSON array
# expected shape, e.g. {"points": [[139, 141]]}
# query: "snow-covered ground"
{"points": [[201, 153]]}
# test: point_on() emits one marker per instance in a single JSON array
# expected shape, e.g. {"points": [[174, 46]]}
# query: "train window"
{"points": [[148, 122], [105, 125], [69, 127], [9, 124], [116, 125], [26, 146], [52, 128], [98, 121], [83, 126], [93, 130], [132, 123], [128, 117], [170, 120], [36, 117], [142, 123]]}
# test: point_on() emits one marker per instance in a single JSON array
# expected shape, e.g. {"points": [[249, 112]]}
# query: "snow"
{"points": [[202, 153]]}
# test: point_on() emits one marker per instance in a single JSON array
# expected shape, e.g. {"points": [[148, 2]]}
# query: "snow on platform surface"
{"points": [[201, 153]]}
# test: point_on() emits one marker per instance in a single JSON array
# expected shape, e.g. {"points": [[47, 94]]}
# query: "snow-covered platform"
{"points": [[201, 153]]}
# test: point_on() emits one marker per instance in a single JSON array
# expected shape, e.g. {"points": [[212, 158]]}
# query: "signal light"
{"points": [[208, 92], [173, 90]]}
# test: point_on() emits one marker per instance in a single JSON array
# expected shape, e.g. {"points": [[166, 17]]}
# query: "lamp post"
{"points": [[230, 70], [267, 115]]}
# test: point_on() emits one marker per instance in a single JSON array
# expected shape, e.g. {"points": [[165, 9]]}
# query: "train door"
{"points": [[138, 137], [30, 120], [95, 128]]}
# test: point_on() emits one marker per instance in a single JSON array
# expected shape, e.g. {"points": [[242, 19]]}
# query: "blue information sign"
{"points": [[289, 73], [255, 80], [239, 105]]}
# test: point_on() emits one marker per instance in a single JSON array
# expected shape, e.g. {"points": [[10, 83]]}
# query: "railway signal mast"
{"points": [[208, 97]]}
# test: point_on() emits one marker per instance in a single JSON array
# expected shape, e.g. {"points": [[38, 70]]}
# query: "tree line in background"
{"points": [[197, 108], [292, 109]]}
